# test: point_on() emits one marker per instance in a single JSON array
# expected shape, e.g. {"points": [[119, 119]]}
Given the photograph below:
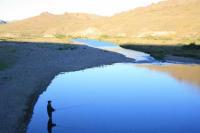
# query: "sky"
{"points": [[20, 9]]}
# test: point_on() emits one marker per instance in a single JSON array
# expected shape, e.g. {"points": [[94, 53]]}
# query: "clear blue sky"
{"points": [[19, 9]]}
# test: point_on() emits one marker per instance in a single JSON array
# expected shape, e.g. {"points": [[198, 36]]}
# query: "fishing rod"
{"points": [[70, 107], [63, 108], [66, 127]]}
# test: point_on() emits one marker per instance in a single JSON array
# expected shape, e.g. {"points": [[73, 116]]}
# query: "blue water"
{"points": [[120, 98], [138, 56], [95, 43]]}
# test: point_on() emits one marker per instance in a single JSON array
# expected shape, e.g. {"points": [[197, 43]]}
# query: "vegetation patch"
{"points": [[7, 57], [3, 65], [191, 46], [103, 37], [67, 47], [8, 49], [159, 52], [157, 38], [60, 36]]}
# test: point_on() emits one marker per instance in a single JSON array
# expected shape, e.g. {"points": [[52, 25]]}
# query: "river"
{"points": [[140, 57], [122, 98]]}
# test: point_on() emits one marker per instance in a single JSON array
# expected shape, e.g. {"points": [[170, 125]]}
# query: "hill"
{"points": [[166, 20], [170, 21], [48, 25]]}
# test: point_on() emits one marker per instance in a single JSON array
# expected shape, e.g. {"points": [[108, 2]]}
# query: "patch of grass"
{"points": [[3, 66], [8, 49], [159, 55], [104, 37], [161, 38], [7, 56], [67, 47], [191, 46], [13, 50], [149, 40], [60, 36], [5, 39], [159, 52]]}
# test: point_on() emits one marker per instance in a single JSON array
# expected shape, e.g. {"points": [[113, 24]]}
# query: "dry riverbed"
{"points": [[26, 69]]}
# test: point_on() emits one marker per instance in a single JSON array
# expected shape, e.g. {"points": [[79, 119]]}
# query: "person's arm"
{"points": [[52, 108]]}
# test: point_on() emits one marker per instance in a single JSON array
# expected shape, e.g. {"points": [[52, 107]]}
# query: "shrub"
{"points": [[67, 47], [191, 46], [60, 36]]}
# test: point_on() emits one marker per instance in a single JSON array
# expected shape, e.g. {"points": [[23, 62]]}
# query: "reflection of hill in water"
{"points": [[187, 73]]}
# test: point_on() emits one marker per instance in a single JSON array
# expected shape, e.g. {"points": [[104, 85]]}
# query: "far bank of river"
{"points": [[139, 57], [187, 54]]}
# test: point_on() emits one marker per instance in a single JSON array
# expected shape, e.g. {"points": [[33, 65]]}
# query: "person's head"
{"points": [[49, 102]]}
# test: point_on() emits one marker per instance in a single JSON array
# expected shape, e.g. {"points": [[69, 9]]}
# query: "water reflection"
{"points": [[185, 73], [121, 98], [50, 125]]}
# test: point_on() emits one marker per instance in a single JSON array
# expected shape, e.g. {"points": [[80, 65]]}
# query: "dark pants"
{"points": [[50, 114]]}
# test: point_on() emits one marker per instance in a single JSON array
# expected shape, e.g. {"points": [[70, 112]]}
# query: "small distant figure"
{"points": [[50, 109], [50, 125]]}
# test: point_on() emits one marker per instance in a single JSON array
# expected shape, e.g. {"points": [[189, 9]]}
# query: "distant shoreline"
{"points": [[187, 54], [26, 69]]}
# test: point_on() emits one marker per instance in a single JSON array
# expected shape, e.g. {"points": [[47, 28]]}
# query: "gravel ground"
{"points": [[32, 67]]}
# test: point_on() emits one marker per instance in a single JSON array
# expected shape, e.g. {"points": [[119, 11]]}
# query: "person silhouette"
{"points": [[50, 125], [50, 109]]}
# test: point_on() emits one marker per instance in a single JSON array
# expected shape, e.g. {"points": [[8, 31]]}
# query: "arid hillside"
{"points": [[169, 21], [48, 25], [179, 19]]}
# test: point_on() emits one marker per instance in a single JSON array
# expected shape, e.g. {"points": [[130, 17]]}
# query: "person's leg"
{"points": [[50, 114]]}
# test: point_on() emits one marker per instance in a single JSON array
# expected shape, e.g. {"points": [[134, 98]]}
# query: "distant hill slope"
{"points": [[168, 20], [47, 25], [172, 17]]}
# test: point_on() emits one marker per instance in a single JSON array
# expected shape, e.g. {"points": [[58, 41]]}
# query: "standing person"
{"points": [[50, 109]]}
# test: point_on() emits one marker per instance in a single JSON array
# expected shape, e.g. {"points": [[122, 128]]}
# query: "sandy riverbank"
{"points": [[30, 69]]}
